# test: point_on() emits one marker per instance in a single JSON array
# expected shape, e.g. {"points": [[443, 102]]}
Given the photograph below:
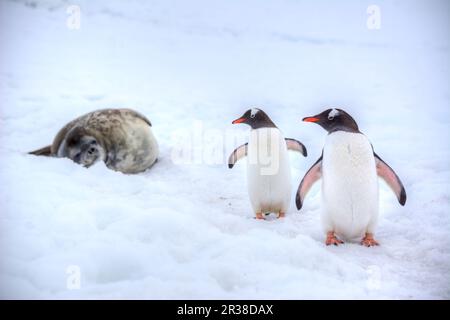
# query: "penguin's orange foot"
{"points": [[281, 215], [369, 241], [259, 216], [332, 239]]}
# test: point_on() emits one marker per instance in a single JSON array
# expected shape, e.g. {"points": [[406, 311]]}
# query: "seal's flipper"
{"points": [[296, 145], [313, 174], [390, 177], [237, 154], [45, 151]]}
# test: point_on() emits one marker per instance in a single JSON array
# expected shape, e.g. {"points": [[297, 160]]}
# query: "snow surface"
{"points": [[185, 229]]}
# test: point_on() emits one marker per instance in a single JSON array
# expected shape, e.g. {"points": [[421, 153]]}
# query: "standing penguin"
{"points": [[348, 167], [268, 169]]}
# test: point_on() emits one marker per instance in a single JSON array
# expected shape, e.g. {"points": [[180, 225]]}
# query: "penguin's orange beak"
{"points": [[311, 119], [240, 120]]}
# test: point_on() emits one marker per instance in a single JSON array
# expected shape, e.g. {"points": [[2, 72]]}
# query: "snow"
{"points": [[184, 229]]}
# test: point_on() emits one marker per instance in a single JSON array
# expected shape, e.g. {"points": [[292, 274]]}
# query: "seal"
{"points": [[122, 138]]}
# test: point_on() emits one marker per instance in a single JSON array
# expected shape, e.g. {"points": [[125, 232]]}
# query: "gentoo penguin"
{"points": [[348, 167], [122, 138], [268, 169]]}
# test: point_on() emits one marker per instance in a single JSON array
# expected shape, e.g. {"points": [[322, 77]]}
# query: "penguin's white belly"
{"points": [[349, 185], [268, 171]]}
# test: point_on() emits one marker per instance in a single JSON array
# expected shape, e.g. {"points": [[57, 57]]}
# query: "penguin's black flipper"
{"points": [[296, 145], [313, 174], [385, 172], [237, 154]]}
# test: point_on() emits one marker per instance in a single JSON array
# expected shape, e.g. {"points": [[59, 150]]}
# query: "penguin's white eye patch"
{"points": [[332, 114], [253, 112]]}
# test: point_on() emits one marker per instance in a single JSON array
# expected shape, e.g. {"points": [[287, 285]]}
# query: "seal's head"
{"points": [[82, 147]]}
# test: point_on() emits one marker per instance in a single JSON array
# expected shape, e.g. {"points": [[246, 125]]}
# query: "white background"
{"points": [[187, 231]]}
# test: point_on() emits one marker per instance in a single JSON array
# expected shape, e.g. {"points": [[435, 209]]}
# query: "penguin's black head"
{"points": [[255, 118], [334, 120]]}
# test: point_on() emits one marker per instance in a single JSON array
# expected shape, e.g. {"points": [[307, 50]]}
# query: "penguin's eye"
{"points": [[252, 116], [330, 118]]}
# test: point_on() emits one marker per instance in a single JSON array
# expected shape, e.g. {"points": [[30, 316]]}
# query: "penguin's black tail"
{"points": [[45, 151]]}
